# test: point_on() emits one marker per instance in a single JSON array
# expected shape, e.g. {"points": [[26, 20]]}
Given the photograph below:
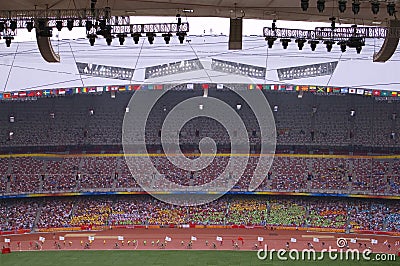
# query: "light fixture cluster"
{"points": [[344, 37], [173, 68], [355, 6], [97, 22], [356, 42], [238, 68]]}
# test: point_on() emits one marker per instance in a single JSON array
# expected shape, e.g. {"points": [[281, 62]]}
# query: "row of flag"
{"points": [[273, 87], [324, 89]]}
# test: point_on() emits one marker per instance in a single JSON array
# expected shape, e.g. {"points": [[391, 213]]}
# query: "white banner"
{"points": [[61, 238], [374, 241], [41, 239], [260, 239], [220, 86], [316, 240], [219, 238], [7, 240], [352, 240], [193, 238], [293, 240], [91, 238], [120, 238], [167, 238]]}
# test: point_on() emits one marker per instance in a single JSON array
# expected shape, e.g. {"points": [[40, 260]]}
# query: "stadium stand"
{"points": [[321, 148], [337, 213]]}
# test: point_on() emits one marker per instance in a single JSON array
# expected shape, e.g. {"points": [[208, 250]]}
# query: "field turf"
{"points": [[144, 258]]}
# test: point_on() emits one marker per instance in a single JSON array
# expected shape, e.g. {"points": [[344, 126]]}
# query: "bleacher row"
{"points": [[321, 212], [98, 119], [363, 175]]}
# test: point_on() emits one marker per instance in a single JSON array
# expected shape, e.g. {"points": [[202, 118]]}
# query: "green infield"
{"points": [[143, 258]]}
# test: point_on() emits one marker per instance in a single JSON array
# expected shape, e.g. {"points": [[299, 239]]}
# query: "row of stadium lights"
{"points": [[136, 38], [92, 37], [313, 43], [355, 6]]}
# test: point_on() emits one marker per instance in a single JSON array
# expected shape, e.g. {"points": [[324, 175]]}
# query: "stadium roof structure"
{"points": [[268, 9], [25, 69]]}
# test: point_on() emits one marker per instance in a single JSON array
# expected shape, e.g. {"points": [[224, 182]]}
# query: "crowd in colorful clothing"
{"points": [[368, 214]]}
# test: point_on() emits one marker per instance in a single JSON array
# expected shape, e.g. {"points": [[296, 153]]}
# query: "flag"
{"points": [[77, 90], [193, 238], [282, 87], [114, 88], [250, 86], [39, 93], [328, 89], [205, 86], [394, 93], [289, 88], [368, 92], [220, 86], [61, 238], [1, 96], [69, 91], [384, 93], [293, 240], [297, 88], [136, 87], [7, 95], [22, 94], [107, 88], [61, 92], [321, 90], [219, 238], [31, 94], [352, 90], [316, 239], [99, 89], [14, 95], [122, 88], [259, 86], [190, 86], [158, 87], [360, 91], [352, 240], [274, 87], [260, 239], [92, 89], [84, 90], [312, 89], [376, 92], [304, 88], [344, 90], [167, 238], [120, 238], [336, 90], [267, 87]]}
